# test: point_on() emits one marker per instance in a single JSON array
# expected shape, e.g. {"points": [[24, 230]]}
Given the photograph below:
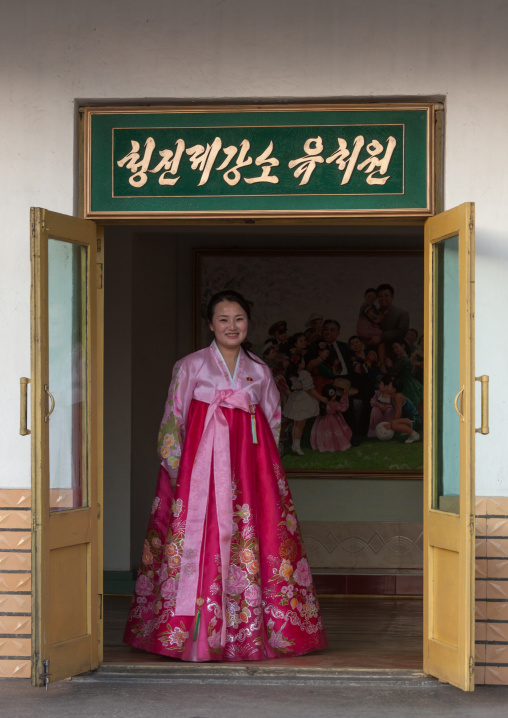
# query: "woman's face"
{"points": [[229, 324], [301, 342], [324, 354], [370, 297], [398, 349]]}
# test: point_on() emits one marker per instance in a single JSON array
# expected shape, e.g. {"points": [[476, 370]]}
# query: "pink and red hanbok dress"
{"points": [[224, 576]]}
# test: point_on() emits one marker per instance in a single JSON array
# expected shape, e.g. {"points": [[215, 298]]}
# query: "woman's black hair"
{"points": [[229, 295]]}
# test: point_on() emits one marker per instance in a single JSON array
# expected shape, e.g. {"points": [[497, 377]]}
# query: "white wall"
{"points": [[54, 52]]}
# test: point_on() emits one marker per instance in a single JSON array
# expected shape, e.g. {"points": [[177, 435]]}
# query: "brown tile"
{"points": [[497, 547], [480, 612], [14, 539], [497, 568], [15, 604], [14, 498], [15, 647], [15, 624], [481, 568], [479, 675], [480, 653], [497, 632], [14, 669], [480, 589], [481, 505], [480, 526], [496, 654], [496, 675], [497, 527], [497, 611], [480, 631], [497, 589], [497, 506], [15, 561], [480, 548], [15, 519], [10, 582]]}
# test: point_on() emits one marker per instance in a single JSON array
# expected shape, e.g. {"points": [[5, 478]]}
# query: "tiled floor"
{"points": [[366, 632]]}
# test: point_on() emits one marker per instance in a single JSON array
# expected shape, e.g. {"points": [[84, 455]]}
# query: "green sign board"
{"points": [[277, 161]]}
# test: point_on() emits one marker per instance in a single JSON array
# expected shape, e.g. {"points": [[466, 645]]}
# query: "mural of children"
{"points": [[406, 418], [411, 340], [320, 367], [298, 343], [313, 326], [417, 361], [270, 354], [330, 431], [369, 317], [303, 402], [279, 331], [279, 376], [401, 368], [382, 407], [365, 363]]}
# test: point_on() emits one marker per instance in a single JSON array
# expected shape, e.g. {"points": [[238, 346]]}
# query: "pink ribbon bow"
{"points": [[214, 443]]}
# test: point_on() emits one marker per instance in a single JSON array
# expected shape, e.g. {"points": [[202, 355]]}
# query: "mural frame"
{"points": [[231, 262]]}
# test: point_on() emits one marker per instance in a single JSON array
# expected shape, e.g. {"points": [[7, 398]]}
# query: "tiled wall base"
{"points": [[377, 545], [492, 590], [15, 584]]}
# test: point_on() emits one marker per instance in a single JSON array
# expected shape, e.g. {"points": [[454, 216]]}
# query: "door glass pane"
{"points": [[67, 330], [446, 365]]}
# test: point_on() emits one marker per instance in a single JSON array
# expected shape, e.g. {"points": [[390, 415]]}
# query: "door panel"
{"points": [[65, 407], [449, 455]]}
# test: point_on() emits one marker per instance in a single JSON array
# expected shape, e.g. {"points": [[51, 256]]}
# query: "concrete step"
{"points": [[224, 673]]}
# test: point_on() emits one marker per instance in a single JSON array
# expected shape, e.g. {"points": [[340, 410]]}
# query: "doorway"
{"points": [[373, 613]]}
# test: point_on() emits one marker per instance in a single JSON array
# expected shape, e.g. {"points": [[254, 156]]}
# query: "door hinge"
{"points": [[99, 276], [471, 665], [471, 524], [99, 245], [98, 511], [45, 674]]}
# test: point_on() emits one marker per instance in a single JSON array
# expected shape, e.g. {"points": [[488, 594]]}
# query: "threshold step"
{"points": [[247, 674]]}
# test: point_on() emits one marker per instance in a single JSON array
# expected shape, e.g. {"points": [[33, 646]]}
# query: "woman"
{"points": [[224, 574]]}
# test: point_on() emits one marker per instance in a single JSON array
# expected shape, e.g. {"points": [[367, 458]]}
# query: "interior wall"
{"points": [[148, 331], [117, 405]]}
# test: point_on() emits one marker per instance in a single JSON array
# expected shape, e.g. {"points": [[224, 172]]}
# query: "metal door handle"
{"points": [[456, 404], [23, 406], [484, 379], [52, 398]]}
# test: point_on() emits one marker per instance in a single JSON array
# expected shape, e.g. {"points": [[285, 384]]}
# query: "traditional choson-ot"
{"points": [[224, 576]]}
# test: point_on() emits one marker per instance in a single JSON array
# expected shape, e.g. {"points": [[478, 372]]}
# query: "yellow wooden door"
{"points": [[66, 445], [449, 447]]}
